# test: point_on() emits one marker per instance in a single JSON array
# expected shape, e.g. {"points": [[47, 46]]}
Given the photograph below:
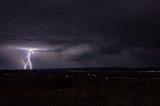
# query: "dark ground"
{"points": [[78, 89]]}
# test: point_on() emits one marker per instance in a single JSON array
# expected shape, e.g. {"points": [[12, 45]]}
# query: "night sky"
{"points": [[80, 33]]}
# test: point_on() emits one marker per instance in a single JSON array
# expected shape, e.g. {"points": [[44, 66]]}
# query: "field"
{"points": [[79, 88]]}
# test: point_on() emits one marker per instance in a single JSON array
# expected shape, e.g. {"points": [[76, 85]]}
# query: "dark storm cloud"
{"points": [[85, 32]]}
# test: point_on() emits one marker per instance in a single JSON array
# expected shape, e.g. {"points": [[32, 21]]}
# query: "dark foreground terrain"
{"points": [[80, 88]]}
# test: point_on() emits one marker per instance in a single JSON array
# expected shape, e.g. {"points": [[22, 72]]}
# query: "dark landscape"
{"points": [[79, 53], [80, 87]]}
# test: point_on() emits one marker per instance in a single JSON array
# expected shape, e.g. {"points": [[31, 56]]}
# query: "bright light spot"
{"points": [[106, 78], [66, 76]]}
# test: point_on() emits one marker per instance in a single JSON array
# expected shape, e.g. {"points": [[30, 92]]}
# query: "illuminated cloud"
{"points": [[80, 33]]}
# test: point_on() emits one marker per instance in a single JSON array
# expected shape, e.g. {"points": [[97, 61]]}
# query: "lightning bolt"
{"points": [[27, 59]]}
